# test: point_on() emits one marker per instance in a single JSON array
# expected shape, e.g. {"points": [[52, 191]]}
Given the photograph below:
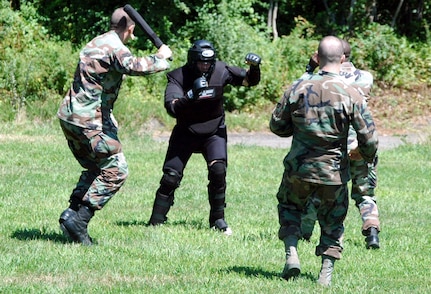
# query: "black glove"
{"points": [[252, 59], [198, 86], [311, 66]]}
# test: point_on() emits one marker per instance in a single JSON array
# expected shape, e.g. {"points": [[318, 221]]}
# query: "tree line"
{"points": [[40, 40], [76, 20]]}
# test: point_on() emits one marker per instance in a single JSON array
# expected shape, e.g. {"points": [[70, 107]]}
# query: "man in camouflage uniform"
{"points": [[317, 112], [363, 174], [88, 123]]}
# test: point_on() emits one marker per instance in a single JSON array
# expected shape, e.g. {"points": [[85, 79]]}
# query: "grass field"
{"points": [[38, 173]]}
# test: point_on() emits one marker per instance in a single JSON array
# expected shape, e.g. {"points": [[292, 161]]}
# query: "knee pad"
{"points": [[217, 176], [170, 181]]}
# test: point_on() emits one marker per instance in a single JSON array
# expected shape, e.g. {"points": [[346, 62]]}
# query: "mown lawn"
{"points": [[38, 173]]}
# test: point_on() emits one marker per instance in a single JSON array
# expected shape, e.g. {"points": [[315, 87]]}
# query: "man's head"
{"points": [[330, 54], [347, 49], [202, 56], [122, 24]]}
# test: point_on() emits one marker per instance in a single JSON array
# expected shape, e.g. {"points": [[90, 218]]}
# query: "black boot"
{"points": [[74, 224], [162, 205], [372, 238]]}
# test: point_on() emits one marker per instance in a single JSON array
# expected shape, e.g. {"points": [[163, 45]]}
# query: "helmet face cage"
{"points": [[201, 50]]}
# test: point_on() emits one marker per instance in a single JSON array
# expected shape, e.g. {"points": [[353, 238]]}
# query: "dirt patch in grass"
{"points": [[401, 111]]}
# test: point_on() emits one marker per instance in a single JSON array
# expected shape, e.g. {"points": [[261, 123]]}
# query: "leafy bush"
{"points": [[392, 59], [33, 68], [36, 68]]}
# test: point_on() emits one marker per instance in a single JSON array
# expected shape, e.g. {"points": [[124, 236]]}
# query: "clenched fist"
{"points": [[252, 59]]}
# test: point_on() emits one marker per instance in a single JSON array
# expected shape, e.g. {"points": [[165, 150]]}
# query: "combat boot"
{"points": [[372, 238], [221, 225], [326, 270], [162, 205], [74, 224], [292, 267]]}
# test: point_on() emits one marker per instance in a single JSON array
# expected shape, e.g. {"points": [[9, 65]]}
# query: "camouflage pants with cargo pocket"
{"points": [[332, 206], [100, 154], [364, 182]]}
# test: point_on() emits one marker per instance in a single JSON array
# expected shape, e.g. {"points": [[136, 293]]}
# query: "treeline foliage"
{"points": [[40, 41]]}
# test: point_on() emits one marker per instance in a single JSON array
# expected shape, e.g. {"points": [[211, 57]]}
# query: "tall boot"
{"points": [[216, 218], [162, 205], [326, 270], [292, 267], [217, 206], [74, 224], [372, 238]]}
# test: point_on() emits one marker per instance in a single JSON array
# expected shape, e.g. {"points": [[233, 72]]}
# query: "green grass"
{"points": [[38, 173]]}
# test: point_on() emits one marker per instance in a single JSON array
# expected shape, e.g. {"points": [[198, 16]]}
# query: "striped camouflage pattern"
{"points": [[317, 112], [360, 79], [97, 80], [86, 116], [105, 165], [363, 174]]}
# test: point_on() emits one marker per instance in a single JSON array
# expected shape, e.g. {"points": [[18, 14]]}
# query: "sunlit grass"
{"points": [[184, 256]]}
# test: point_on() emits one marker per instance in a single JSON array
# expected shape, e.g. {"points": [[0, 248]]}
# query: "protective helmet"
{"points": [[201, 50]]}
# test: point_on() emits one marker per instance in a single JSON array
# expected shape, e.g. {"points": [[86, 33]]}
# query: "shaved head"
{"points": [[120, 20], [330, 49], [330, 54]]}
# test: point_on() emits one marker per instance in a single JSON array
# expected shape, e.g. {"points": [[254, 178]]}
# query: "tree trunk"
{"points": [[270, 10], [372, 11], [394, 19], [328, 11], [350, 16], [15, 4], [272, 18]]}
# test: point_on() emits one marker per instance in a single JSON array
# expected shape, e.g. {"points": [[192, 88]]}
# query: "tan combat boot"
{"points": [[325, 275], [292, 267]]}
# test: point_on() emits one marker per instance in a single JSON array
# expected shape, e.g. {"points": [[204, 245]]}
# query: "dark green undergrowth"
{"points": [[36, 68]]}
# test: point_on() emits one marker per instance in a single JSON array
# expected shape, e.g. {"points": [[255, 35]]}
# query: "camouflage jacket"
{"points": [[317, 112], [360, 79], [97, 80]]}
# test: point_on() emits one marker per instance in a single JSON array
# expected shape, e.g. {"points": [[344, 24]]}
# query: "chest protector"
{"points": [[206, 114]]}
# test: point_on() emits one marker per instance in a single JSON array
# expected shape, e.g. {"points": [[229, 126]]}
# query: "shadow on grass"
{"points": [[192, 224], [131, 223], [37, 234], [258, 272], [252, 272]]}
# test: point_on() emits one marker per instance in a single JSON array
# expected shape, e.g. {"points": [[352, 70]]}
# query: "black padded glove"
{"points": [[253, 59], [199, 85]]}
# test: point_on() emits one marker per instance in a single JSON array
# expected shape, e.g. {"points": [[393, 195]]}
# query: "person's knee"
{"points": [[171, 180], [217, 174]]}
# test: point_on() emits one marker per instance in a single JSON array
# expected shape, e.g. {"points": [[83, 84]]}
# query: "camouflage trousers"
{"points": [[293, 195], [364, 182], [106, 170]]}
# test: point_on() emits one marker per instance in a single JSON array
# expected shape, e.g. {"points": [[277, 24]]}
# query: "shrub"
{"points": [[33, 68]]}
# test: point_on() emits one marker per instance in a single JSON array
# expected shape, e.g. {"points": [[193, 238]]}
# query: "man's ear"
{"points": [[131, 30], [343, 58]]}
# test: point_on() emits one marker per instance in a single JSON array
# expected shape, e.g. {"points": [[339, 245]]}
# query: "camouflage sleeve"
{"points": [[135, 66], [363, 123], [281, 120]]}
